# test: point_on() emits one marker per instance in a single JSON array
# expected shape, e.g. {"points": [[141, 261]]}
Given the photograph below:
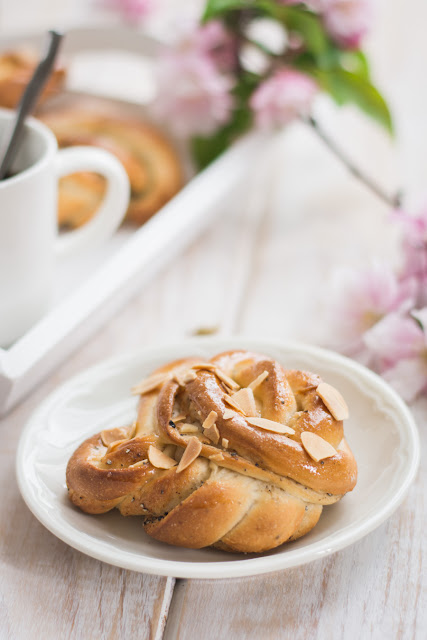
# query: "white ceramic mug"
{"points": [[29, 241]]}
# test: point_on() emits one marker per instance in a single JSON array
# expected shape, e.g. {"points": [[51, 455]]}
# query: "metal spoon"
{"points": [[12, 139]]}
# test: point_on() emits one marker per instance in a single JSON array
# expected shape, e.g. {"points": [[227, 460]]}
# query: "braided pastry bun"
{"points": [[152, 164], [16, 70], [235, 453]]}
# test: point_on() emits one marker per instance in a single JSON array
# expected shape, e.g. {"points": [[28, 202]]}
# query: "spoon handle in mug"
{"points": [[12, 139]]}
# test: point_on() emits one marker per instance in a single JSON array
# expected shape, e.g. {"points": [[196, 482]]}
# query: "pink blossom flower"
{"points": [[193, 97], [282, 98], [347, 21], [211, 40], [414, 248], [400, 343], [216, 42], [131, 10], [360, 299]]}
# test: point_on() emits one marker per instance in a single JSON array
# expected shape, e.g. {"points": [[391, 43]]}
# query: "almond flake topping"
{"points": [[111, 447], [182, 377], [217, 457], [230, 400], [188, 428], [109, 436], [159, 459], [204, 365], [212, 433], [228, 413], [270, 425], [140, 463], [210, 420], [316, 447], [191, 452], [333, 400], [246, 401], [226, 379], [219, 373], [151, 383], [200, 437], [255, 383], [224, 443]]}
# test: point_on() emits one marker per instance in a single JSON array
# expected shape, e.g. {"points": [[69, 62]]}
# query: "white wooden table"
{"points": [[261, 270]]}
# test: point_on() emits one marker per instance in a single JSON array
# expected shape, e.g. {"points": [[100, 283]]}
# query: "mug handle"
{"points": [[114, 206]]}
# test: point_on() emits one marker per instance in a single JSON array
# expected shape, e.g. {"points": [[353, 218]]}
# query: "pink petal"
{"points": [[360, 298], [347, 21], [408, 377], [193, 96], [282, 98], [395, 337]]}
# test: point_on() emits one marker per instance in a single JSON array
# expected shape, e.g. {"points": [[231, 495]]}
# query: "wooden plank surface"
{"points": [[357, 592], [46, 588], [49, 590]]}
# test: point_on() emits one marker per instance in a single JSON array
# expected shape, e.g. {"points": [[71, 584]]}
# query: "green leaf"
{"points": [[308, 25], [217, 8], [205, 150], [297, 19], [319, 47], [355, 62], [350, 87]]}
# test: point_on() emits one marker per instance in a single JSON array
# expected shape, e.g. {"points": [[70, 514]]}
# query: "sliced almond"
{"points": [[182, 377], [109, 436], [230, 401], [270, 425], [200, 437], [224, 443], [149, 384], [210, 420], [316, 447], [188, 428], [212, 433], [140, 463], [226, 379], [246, 401], [255, 383], [228, 413], [159, 459], [113, 446], [204, 365], [206, 331], [218, 372], [217, 457], [191, 452], [333, 400]]}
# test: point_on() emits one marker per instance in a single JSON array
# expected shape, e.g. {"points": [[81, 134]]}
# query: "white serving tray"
{"points": [[131, 258]]}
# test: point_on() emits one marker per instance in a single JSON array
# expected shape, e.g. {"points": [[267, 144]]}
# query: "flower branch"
{"points": [[393, 201]]}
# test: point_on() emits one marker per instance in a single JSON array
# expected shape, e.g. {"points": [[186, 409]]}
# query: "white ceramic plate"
{"points": [[381, 433]]}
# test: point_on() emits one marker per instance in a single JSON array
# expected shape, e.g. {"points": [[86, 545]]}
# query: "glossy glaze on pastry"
{"points": [[16, 70], [250, 455]]}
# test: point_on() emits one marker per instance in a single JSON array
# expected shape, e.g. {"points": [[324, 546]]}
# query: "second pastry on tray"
{"points": [[150, 160]]}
